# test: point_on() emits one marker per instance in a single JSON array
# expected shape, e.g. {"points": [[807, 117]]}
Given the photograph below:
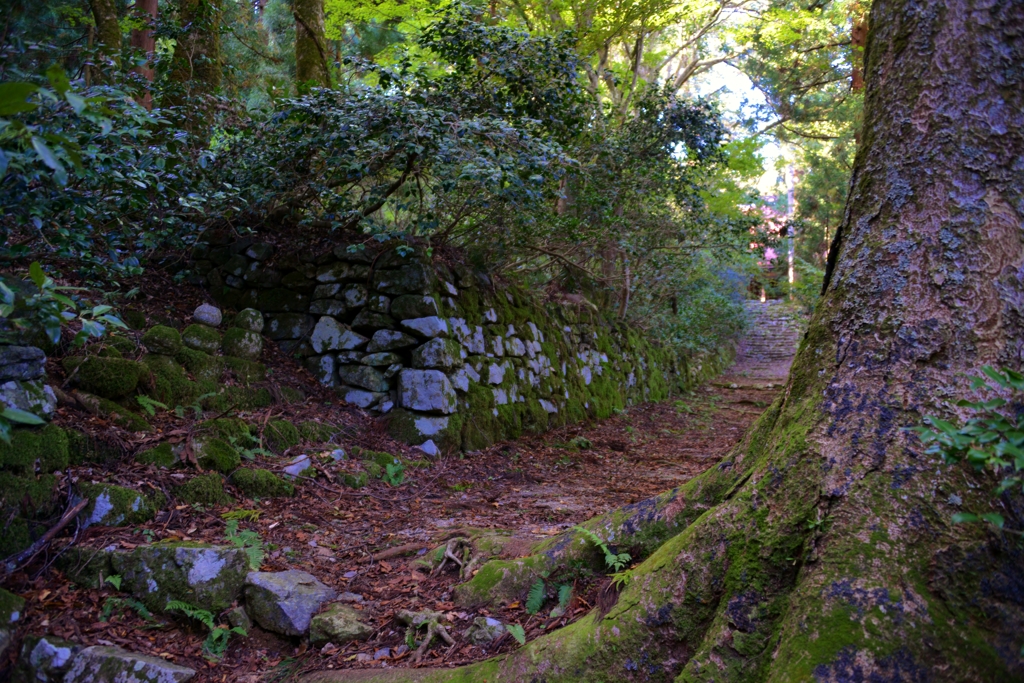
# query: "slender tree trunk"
{"points": [[311, 55], [823, 548], [143, 40], [108, 34]]}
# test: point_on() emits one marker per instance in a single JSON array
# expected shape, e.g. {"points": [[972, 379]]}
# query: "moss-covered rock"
{"points": [[205, 489], [357, 480], [122, 417], [317, 432], [33, 496], [161, 456], [201, 338], [415, 428], [162, 339], [292, 395], [206, 577], [255, 483], [111, 505], [216, 454], [107, 377], [83, 448], [245, 371], [231, 429], [242, 343], [249, 319], [281, 435], [202, 366], [239, 398], [88, 567], [30, 450], [171, 385]]}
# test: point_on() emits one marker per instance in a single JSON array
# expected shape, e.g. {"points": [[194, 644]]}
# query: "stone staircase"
{"points": [[774, 330]]}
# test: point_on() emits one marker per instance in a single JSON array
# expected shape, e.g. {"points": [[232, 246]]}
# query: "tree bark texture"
{"points": [[311, 55], [822, 548], [143, 40], [108, 34], [196, 62]]}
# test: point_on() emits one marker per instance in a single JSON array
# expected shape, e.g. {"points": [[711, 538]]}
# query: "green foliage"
{"points": [[517, 632], [247, 540], [242, 515], [149, 405], [114, 580], [535, 598], [613, 561], [991, 440], [393, 474], [112, 604], [564, 595], [216, 643]]}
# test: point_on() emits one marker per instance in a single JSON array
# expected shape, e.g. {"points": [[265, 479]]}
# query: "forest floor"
{"points": [[369, 541]]}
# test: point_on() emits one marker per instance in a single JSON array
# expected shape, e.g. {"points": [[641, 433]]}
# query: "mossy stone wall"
{"points": [[454, 357]]}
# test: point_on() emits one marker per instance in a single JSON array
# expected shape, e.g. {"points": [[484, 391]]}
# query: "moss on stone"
{"points": [[45, 449], [171, 385], [317, 432], [107, 377], [87, 567], [162, 339], [201, 338], [356, 481], [83, 448], [231, 429], [15, 536], [204, 489], [217, 455], [242, 343], [201, 365], [256, 483], [292, 395], [239, 398], [123, 417], [246, 371], [161, 456], [373, 469], [33, 494], [280, 435], [111, 505]]}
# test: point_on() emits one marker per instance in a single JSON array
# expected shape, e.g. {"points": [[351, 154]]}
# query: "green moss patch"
{"points": [[34, 496], [107, 377], [246, 371], [162, 339], [205, 489], [201, 338], [317, 432], [111, 505], [281, 435], [231, 429], [256, 483], [29, 449], [161, 456], [217, 454], [202, 366]]}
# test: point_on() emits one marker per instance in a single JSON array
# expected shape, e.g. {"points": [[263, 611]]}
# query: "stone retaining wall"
{"points": [[456, 360]]}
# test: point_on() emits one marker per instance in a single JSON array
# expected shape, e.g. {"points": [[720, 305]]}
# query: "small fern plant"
{"points": [[535, 598], [216, 643], [249, 541], [149, 405], [615, 562]]}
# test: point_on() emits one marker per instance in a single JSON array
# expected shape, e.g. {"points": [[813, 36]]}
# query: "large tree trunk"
{"points": [[143, 39], [823, 547], [310, 45], [108, 34], [196, 64]]}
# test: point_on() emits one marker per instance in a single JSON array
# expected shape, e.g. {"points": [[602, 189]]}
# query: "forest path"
{"points": [[370, 541]]}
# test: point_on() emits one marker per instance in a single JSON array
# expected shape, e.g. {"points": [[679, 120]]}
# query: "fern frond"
{"points": [[564, 595], [517, 632], [535, 599]]}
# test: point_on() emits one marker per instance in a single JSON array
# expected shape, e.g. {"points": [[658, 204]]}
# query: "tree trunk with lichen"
{"points": [[195, 69], [823, 548], [311, 55], [108, 35]]}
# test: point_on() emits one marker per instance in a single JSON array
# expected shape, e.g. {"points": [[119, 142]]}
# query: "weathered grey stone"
{"points": [[205, 576], [285, 602], [249, 319], [392, 370], [342, 272], [327, 335], [361, 397], [289, 326], [369, 321], [235, 265], [328, 291], [111, 505], [205, 314], [429, 327], [389, 340], [426, 390], [322, 368], [349, 357], [411, 278], [430, 448], [331, 307], [259, 275], [100, 664], [11, 608], [413, 306], [242, 344], [382, 359], [33, 396], [238, 618], [379, 303], [438, 353], [45, 659], [235, 282], [356, 255], [363, 376], [21, 363], [338, 624], [298, 281], [201, 338], [484, 630], [514, 347], [354, 296], [297, 348], [282, 300], [259, 251], [296, 466]]}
